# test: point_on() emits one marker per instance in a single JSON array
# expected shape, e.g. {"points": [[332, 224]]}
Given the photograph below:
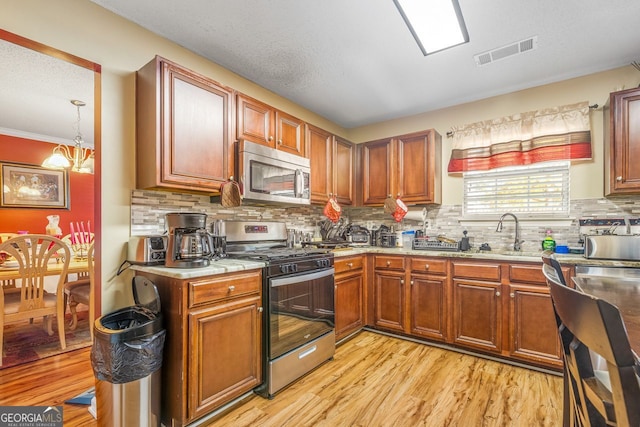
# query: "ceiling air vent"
{"points": [[506, 51]]}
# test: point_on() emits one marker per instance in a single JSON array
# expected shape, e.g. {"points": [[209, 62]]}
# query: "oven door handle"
{"points": [[282, 281]]}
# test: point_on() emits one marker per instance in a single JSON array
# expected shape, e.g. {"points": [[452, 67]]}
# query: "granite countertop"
{"points": [[573, 259], [228, 265], [221, 266]]}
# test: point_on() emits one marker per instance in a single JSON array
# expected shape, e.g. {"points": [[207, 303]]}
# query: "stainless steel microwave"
{"points": [[272, 176]]}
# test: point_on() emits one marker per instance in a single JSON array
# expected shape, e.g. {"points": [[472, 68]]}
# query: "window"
{"points": [[530, 191]]}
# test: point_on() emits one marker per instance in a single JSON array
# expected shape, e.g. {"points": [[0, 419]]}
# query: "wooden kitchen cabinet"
{"points": [[533, 333], [183, 129], [622, 142], [263, 124], [349, 295], [477, 306], [389, 292], [429, 298], [407, 166], [213, 349], [332, 166]]}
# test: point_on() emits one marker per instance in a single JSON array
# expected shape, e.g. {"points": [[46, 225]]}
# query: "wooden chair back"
{"points": [[6, 236], [609, 397], [33, 253]]}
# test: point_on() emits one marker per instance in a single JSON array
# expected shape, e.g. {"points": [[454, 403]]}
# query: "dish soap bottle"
{"points": [[548, 244]]}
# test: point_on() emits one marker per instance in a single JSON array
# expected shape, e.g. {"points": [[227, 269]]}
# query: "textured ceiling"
{"points": [[355, 62], [36, 91]]}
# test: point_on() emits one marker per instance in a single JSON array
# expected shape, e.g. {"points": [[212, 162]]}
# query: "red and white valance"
{"points": [[559, 133]]}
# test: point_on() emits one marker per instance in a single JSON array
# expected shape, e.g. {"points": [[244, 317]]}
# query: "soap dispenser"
{"points": [[548, 244]]}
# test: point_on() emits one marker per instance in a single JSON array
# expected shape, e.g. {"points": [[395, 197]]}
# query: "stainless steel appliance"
{"points": [[147, 250], [298, 292], [270, 175], [612, 246], [189, 245]]}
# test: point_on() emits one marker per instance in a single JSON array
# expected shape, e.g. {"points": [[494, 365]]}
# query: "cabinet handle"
{"points": [[411, 283], [497, 293], [619, 178], [232, 288], [426, 266], [402, 281], [260, 309], [350, 264], [279, 142], [270, 138], [512, 295], [388, 263]]}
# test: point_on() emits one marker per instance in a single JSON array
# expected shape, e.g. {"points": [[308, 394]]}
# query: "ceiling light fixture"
{"points": [[79, 158], [435, 24]]}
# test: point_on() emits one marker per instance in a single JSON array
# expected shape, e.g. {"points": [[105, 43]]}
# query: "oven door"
{"points": [[270, 175], [301, 309]]}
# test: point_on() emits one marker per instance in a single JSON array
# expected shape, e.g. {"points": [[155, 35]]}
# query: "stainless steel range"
{"points": [[298, 294]]}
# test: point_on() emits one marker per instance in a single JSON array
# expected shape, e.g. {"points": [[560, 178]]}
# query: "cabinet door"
{"points": [[343, 167], [416, 168], [429, 307], [625, 142], [376, 172], [224, 354], [533, 333], [256, 121], [289, 134], [349, 305], [477, 314], [389, 300], [191, 139], [321, 158]]}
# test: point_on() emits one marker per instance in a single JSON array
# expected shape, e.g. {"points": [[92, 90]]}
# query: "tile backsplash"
{"points": [[148, 209]]}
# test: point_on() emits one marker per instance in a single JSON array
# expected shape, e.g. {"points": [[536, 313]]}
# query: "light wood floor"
{"points": [[374, 380]]}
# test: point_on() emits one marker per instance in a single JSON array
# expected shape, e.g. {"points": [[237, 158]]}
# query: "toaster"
{"points": [[147, 250]]}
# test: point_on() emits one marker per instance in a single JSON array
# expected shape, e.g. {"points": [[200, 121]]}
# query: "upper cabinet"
{"points": [[622, 142], [184, 123], [263, 124], [407, 166], [332, 165]]}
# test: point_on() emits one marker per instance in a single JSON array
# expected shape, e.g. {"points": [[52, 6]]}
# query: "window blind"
{"points": [[537, 190]]}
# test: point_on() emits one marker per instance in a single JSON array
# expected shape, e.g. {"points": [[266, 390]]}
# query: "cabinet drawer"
{"points": [[531, 274], [527, 274], [215, 289], [347, 265], [429, 265], [389, 262], [472, 270]]}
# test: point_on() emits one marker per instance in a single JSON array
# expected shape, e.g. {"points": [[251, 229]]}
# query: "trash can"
{"points": [[126, 358]]}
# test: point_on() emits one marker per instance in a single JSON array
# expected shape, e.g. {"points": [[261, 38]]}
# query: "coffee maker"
{"points": [[189, 245]]}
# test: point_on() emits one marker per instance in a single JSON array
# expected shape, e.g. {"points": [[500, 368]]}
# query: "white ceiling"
{"points": [[355, 62], [36, 92]]}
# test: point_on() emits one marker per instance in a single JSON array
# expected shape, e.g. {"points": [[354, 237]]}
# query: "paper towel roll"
{"points": [[416, 214]]}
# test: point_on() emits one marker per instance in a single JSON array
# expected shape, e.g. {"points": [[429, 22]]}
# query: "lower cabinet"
{"points": [[429, 298], [349, 295], [213, 350], [532, 325], [389, 292], [494, 307]]}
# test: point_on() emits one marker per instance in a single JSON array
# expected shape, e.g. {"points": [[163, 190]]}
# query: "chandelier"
{"points": [[78, 158]]}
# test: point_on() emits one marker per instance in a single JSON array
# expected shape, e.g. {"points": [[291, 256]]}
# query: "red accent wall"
{"points": [[20, 150]]}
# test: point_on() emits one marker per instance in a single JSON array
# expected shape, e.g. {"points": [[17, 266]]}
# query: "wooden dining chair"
{"points": [[34, 252], [81, 291], [589, 324]]}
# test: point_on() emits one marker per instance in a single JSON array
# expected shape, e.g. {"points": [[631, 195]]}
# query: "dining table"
{"points": [[53, 269], [621, 292]]}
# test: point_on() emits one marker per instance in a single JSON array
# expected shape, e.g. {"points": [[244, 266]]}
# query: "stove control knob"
{"points": [[284, 268]]}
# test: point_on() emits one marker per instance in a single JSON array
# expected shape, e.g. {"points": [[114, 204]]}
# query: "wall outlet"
{"points": [[426, 224]]}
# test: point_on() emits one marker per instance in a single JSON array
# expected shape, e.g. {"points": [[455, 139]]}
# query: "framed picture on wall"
{"points": [[31, 186]]}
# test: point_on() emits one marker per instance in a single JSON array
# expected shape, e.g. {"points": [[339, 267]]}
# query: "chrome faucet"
{"points": [[517, 241]]}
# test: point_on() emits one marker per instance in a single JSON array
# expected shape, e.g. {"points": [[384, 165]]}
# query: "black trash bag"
{"points": [[127, 361]]}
